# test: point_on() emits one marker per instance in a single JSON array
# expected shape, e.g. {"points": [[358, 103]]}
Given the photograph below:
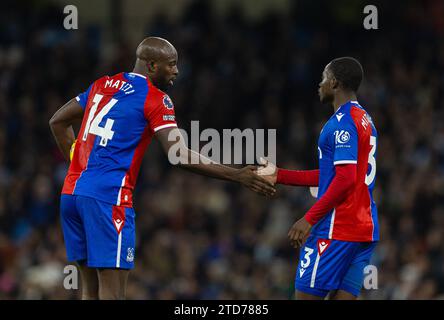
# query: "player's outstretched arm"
{"points": [[197, 163], [306, 178], [61, 125]]}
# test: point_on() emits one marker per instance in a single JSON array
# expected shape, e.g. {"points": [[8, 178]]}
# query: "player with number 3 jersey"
{"points": [[339, 233]]}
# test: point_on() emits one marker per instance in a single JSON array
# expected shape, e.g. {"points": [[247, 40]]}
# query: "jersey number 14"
{"points": [[92, 124]]}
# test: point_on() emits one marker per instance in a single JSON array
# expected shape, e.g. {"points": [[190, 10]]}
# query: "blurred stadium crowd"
{"points": [[199, 238]]}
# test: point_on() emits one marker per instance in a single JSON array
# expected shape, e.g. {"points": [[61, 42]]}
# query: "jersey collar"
{"points": [[142, 76], [137, 74], [348, 102]]}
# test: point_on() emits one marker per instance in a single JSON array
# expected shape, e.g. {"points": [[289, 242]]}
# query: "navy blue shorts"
{"points": [[326, 265], [97, 232]]}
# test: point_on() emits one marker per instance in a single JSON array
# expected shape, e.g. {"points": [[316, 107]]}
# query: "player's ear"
{"points": [[152, 66], [334, 83]]}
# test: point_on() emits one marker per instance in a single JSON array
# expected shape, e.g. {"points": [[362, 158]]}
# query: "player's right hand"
{"points": [[268, 170], [248, 177]]}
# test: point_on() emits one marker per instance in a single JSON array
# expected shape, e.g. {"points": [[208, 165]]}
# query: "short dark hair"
{"points": [[348, 71]]}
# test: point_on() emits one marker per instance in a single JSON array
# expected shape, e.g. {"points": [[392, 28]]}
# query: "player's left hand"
{"points": [[299, 232]]}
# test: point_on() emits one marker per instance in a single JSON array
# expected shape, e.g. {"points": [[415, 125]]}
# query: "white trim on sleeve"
{"points": [[77, 98], [168, 125], [345, 162]]}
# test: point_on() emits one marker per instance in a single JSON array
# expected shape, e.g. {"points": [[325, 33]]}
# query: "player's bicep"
{"points": [[171, 140], [345, 144], [69, 113]]}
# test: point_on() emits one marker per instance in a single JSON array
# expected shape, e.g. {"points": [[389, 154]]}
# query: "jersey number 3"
{"points": [[92, 124], [372, 162]]}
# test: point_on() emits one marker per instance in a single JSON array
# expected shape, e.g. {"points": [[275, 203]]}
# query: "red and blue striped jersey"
{"points": [[121, 115], [349, 137]]}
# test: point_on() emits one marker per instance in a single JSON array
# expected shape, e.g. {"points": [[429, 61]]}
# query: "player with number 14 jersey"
{"points": [[120, 115]]}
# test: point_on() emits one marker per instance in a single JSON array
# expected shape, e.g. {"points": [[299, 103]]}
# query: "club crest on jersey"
{"points": [[323, 245], [342, 136], [167, 102]]}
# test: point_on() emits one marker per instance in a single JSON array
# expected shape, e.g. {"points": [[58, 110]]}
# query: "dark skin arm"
{"points": [[61, 125], [245, 176]]}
